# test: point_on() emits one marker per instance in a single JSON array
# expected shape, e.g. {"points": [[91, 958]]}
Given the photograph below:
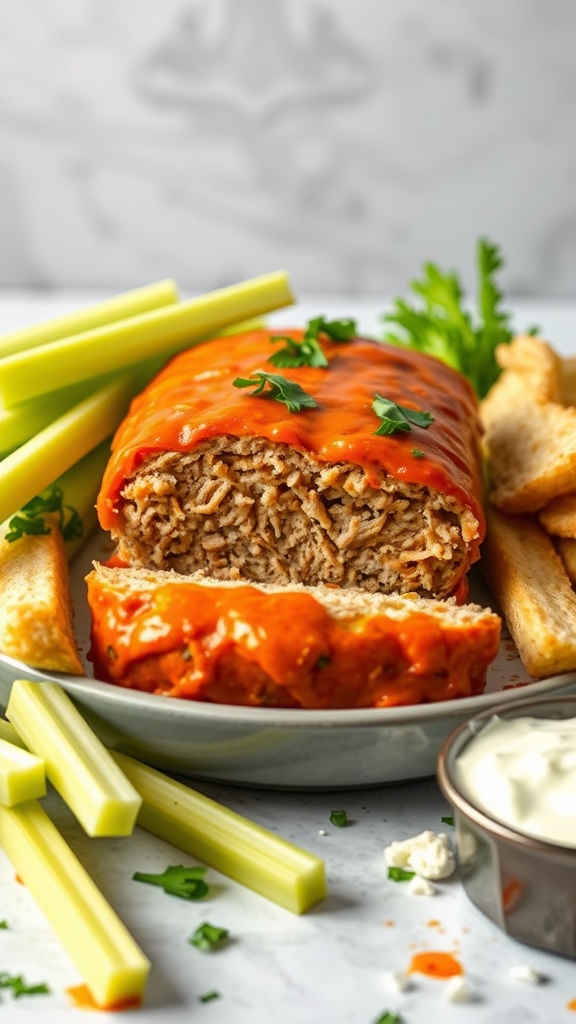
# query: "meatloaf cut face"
{"points": [[205, 476]]}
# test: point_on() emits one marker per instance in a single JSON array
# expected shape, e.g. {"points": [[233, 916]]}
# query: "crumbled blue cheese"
{"points": [[399, 981], [429, 854], [527, 974], [457, 990], [419, 886]]}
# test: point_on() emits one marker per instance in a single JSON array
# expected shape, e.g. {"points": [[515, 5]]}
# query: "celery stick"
{"points": [[120, 307], [225, 840], [22, 421], [44, 457], [77, 763], [97, 942], [80, 485], [10, 735], [22, 775], [113, 346]]}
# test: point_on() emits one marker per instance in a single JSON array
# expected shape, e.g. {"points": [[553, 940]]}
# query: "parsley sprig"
{"points": [[396, 418], [308, 351], [441, 325], [20, 987], [208, 936], [272, 385], [30, 518], [188, 883], [397, 874]]}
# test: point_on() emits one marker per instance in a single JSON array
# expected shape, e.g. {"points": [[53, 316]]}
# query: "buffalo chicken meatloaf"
{"points": [[290, 647], [205, 476]]}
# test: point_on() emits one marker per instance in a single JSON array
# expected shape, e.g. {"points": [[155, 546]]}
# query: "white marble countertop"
{"points": [[331, 964]]}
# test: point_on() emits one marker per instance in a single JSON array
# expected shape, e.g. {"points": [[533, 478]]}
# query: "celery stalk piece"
{"points": [[44, 457], [225, 840], [120, 307], [114, 346], [113, 967], [22, 421], [9, 734], [77, 764], [22, 775]]}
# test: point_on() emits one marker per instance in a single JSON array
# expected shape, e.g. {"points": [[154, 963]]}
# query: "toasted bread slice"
{"points": [[36, 623], [529, 581], [559, 516], [566, 547]]}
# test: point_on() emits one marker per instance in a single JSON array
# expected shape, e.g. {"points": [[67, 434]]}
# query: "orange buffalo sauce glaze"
{"points": [[239, 645], [193, 399], [81, 996], [435, 965]]}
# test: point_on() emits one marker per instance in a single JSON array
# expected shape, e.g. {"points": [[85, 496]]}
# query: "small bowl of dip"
{"points": [[510, 776]]}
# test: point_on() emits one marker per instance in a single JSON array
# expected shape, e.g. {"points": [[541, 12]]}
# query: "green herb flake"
{"points": [[400, 874], [439, 323], [30, 518], [4, 925], [187, 883], [389, 1018], [322, 661], [272, 385], [447, 819], [20, 987], [418, 453], [208, 936], [397, 418], [338, 818], [308, 351], [209, 997]]}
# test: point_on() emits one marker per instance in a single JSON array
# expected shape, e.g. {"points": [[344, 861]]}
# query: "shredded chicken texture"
{"points": [[244, 508]]}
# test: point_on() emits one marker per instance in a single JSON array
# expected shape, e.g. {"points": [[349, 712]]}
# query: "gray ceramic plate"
{"points": [[274, 748]]}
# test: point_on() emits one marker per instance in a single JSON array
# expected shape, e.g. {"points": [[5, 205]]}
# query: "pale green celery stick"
{"points": [[141, 300], [113, 967], [34, 465], [22, 775], [225, 840], [21, 422], [118, 345], [10, 735], [77, 764], [80, 485]]}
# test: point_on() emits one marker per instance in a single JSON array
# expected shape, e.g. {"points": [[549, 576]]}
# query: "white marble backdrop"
{"points": [[347, 140]]}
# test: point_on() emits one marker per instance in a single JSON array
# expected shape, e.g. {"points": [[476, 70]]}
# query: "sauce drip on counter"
{"points": [[81, 996], [435, 965], [240, 645], [193, 400]]}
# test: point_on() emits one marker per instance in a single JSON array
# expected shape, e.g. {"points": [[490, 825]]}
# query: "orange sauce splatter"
{"points": [[389, 924], [571, 1005], [511, 894], [433, 923], [435, 965], [19, 880], [82, 998]]}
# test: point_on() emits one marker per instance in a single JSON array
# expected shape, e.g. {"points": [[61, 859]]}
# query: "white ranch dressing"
{"points": [[522, 772]]}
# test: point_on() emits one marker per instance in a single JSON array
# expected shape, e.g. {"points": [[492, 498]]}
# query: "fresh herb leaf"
{"points": [[308, 351], [30, 519], [322, 661], [4, 925], [208, 936], [20, 987], [418, 454], [208, 997], [440, 324], [447, 819], [279, 388], [389, 1018], [339, 818], [400, 874], [397, 418], [178, 881]]}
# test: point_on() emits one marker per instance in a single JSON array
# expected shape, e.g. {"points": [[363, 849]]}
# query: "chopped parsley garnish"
{"points": [[208, 997], [339, 818], [308, 352], [418, 454], [389, 1018], [3, 925], [30, 518], [208, 936], [447, 819], [400, 874], [20, 988], [397, 418], [280, 388], [188, 883], [322, 660], [440, 325]]}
